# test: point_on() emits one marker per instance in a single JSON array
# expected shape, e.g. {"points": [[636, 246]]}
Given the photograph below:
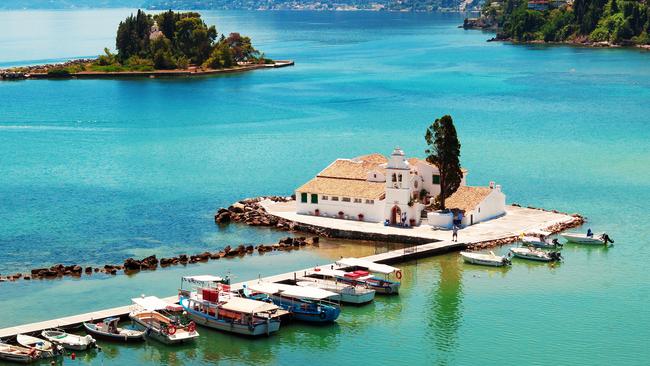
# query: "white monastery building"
{"points": [[392, 191]]}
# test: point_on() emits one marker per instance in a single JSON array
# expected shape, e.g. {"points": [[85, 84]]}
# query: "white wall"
{"points": [[372, 212], [494, 205]]}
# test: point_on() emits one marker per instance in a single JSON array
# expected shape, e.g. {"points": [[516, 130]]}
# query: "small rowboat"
{"points": [[69, 341], [18, 354], [490, 259], [536, 254], [596, 239], [46, 348], [109, 330]]}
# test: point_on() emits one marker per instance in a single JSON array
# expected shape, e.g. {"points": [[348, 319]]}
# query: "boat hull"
{"points": [[583, 239], [256, 330], [153, 332], [497, 262], [46, 348], [71, 342], [113, 337], [16, 354], [532, 258]]}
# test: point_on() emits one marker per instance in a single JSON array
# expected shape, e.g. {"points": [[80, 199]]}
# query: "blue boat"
{"points": [[303, 303]]}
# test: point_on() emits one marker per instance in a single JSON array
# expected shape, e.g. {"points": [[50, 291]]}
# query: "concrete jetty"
{"points": [[518, 220]]}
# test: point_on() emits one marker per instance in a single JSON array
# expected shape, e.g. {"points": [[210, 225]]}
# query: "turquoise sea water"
{"points": [[94, 171]]}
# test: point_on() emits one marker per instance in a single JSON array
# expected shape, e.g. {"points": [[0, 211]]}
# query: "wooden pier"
{"points": [[395, 256], [517, 221]]}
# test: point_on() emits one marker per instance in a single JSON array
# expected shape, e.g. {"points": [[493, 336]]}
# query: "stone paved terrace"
{"points": [[517, 220]]}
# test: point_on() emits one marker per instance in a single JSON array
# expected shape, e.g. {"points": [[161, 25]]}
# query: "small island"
{"points": [[165, 44], [596, 23]]}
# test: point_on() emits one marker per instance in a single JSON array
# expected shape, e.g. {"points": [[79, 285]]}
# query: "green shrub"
{"points": [[58, 73]]}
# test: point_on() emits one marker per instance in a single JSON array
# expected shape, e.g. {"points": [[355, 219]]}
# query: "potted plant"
{"points": [[341, 213], [360, 217], [317, 212], [412, 222]]}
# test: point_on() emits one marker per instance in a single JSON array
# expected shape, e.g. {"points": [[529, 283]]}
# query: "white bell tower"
{"points": [[398, 187]]}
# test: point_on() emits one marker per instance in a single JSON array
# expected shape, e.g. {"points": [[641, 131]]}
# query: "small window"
{"points": [[435, 179], [399, 177], [357, 200], [303, 197], [345, 199], [314, 198], [394, 177], [335, 198], [324, 198], [370, 202]]}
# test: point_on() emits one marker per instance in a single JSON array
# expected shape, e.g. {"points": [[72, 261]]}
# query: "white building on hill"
{"points": [[376, 189]]}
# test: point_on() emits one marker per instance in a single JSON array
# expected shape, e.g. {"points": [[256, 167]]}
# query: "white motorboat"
{"points": [[540, 242], [329, 279], [483, 259], [18, 354], [595, 239], [535, 254], [359, 271], [108, 329], [69, 341], [46, 348], [152, 315]]}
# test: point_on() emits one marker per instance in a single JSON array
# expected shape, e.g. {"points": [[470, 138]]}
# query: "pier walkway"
{"points": [[517, 220]]}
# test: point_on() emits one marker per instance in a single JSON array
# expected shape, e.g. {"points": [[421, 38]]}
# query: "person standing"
{"points": [[454, 235]]}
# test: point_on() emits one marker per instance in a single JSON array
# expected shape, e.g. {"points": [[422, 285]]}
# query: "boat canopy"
{"points": [[242, 305], [372, 266], [152, 303], [202, 278], [328, 272], [309, 293]]}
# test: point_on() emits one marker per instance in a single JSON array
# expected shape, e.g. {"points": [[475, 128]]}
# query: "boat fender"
{"points": [[171, 330], [398, 274], [322, 315]]}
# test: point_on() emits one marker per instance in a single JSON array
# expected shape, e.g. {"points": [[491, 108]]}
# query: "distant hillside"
{"points": [[68, 4], [391, 5]]}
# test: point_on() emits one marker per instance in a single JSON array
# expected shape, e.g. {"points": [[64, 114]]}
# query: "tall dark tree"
{"points": [[444, 153]]}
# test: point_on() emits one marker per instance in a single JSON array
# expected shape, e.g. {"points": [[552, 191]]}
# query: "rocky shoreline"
{"points": [[43, 71], [250, 212], [151, 263]]}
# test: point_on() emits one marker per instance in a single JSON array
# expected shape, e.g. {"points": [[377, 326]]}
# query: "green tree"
{"points": [[444, 153], [194, 39], [241, 47]]}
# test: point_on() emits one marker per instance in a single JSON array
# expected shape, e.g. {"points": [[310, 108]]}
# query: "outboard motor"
{"points": [[556, 242], [607, 239], [555, 256]]}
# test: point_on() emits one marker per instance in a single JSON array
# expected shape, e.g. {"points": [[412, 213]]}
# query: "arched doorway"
{"points": [[395, 215]]}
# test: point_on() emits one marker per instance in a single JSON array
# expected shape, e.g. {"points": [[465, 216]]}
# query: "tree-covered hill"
{"points": [[614, 22]]}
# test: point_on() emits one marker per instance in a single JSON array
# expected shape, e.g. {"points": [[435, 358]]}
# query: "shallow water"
{"points": [[94, 171]]}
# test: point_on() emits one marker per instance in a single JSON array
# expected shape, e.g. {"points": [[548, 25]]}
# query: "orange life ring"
{"points": [[171, 330], [191, 327], [398, 274]]}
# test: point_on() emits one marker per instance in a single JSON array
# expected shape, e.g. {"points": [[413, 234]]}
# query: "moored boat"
{"points": [[308, 304], [360, 270], [218, 308], [156, 317], [108, 329], [18, 354], [69, 341], [594, 239], [46, 348], [536, 254], [540, 242], [330, 280], [483, 259]]}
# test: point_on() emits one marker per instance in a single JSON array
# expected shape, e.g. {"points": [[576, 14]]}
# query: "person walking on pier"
{"points": [[454, 236]]}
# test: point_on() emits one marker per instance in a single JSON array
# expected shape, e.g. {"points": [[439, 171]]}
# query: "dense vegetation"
{"points": [[393, 5], [612, 21], [168, 41]]}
